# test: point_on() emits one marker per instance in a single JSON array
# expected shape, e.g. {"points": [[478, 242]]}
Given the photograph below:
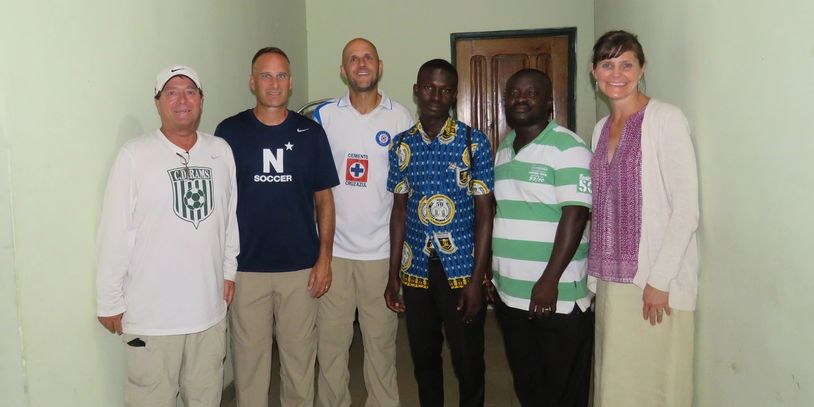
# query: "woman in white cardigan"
{"points": [[643, 260]]}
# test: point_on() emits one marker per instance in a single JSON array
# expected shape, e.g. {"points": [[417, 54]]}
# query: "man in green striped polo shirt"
{"points": [[540, 248]]}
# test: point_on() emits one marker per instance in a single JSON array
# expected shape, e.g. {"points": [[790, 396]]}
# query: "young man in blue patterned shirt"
{"points": [[441, 175]]}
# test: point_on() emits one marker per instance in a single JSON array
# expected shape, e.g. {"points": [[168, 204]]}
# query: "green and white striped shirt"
{"points": [[531, 188]]}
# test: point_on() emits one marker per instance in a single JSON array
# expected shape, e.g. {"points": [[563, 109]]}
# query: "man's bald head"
{"points": [[359, 42], [361, 66]]}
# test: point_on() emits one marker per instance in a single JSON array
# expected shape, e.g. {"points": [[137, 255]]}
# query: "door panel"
{"points": [[485, 63]]}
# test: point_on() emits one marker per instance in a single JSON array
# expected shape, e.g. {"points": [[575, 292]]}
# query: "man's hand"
{"points": [[320, 280], [228, 291], [543, 300], [398, 222], [655, 304], [491, 291], [392, 297], [113, 324], [470, 300]]}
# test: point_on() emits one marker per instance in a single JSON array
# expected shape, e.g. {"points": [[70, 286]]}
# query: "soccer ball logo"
{"points": [[194, 198]]}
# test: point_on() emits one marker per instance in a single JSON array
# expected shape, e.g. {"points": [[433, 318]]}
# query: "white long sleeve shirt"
{"points": [[168, 235]]}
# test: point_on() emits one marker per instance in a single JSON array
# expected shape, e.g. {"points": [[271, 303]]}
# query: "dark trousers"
{"points": [[550, 357], [428, 310]]}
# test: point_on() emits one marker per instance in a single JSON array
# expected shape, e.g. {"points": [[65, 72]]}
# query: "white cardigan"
{"points": [[668, 249]]}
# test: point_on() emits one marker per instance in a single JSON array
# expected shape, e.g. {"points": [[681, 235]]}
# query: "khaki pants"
{"points": [[357, 284], [279, 304], [165, 365]]}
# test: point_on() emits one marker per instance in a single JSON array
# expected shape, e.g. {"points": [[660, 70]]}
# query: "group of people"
{"points": [[299, 227]]}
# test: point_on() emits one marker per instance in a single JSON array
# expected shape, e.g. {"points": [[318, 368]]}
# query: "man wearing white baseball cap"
{"points": [[166, 251], [176, 70]]}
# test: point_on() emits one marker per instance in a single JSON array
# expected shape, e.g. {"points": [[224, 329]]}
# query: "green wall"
{"points": [[744, 74], [11, 366], [76, 81], [408, 33]]}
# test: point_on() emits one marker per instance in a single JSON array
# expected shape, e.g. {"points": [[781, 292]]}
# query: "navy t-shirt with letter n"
{"points": [[278, 170]]}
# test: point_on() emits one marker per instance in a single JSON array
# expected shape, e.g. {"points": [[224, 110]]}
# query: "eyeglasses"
{"points": [[185, 162]]}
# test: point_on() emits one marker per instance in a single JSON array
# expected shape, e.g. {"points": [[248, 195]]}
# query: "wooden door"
{"points": [[484, 64]]}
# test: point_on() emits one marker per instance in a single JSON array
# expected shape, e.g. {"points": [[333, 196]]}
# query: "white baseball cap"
{"points": [[172, 71]]}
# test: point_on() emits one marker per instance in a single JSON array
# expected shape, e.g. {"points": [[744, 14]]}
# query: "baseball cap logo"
{"points": [[174, 70]]}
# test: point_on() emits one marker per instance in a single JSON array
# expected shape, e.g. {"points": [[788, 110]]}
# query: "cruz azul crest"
{"points": [[192, 198]]}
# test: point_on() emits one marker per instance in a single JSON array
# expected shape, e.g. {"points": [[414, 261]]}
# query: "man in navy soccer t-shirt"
{"points": [[284, 169]]}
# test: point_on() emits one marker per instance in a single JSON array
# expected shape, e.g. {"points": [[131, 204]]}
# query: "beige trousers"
{"points": [[637, 364], [278, 304], [357, 284], [159, 367]]}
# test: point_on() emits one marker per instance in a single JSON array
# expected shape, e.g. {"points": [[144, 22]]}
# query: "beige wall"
{"points": [[744, 74], [76, 82], [409, 33]]}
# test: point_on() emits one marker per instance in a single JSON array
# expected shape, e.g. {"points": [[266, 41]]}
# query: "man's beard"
{"points": [[356, 87]]}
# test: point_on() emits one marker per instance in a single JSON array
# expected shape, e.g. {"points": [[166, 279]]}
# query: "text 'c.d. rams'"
{"points": [[274, 160]]}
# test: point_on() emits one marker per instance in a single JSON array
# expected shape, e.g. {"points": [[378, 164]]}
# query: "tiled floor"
{"points": [[499, 391]]}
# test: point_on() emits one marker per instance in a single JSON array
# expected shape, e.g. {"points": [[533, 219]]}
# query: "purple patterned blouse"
{"points": [[617, 204]]}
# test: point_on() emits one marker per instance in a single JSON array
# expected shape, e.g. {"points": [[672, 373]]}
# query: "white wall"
{"points": [[409, 33], [76, 82], [744, 74]]}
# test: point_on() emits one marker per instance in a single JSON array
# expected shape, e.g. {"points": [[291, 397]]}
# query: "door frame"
{"points": [[570, 32]]}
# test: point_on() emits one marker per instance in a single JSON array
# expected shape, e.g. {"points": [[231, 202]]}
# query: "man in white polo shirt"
{"points": [[361, 126], [540, 248]]}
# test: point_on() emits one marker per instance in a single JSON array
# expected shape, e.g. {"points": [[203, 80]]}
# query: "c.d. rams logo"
{"points": [[192, 197]]}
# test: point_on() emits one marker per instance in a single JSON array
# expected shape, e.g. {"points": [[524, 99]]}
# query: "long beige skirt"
{"points": [[637, 364]]}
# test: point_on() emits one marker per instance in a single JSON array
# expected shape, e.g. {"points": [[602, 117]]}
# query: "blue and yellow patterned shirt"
{"points": [[437, 176]]}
